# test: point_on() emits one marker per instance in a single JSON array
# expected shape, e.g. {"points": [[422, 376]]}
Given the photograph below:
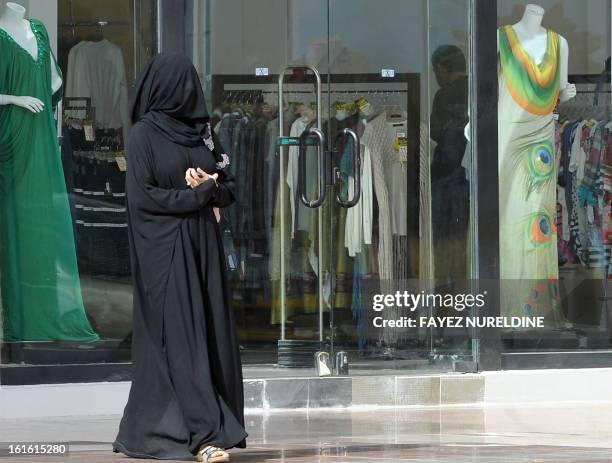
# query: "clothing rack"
{"points": [[101, 23], [592, 100], [347, 92], [406, 85], [579, 92]]}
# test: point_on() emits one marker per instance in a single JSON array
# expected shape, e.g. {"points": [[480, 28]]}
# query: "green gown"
{"points": [[41, 291]]}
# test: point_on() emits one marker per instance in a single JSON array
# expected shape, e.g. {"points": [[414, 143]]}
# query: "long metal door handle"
{"points": [[320, 199], [282, 164], [348, 203]]}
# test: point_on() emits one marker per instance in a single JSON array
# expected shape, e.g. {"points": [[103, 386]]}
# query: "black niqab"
{"points": [[168, 95]]}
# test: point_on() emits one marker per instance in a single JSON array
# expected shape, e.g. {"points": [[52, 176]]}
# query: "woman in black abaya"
{"points": [[186, 397]]}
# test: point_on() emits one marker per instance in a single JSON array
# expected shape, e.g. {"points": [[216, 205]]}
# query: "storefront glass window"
{"points": [[356, 177], [554, 193], [66, 292]]}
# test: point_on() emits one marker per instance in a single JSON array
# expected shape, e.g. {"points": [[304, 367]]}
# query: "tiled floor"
{"points": [[560, 434]]}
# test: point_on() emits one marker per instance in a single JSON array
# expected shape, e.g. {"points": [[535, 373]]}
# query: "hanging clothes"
{"points": [[528, 93], [300, 214], [96, 70], [41, 291], [584, 202], [375, 140], [359, 218]]}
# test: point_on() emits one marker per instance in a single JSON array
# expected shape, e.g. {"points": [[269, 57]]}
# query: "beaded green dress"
{"points": [[41, 292]]}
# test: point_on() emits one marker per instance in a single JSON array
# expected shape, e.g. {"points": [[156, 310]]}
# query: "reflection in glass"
{"points": [[449, 185]]}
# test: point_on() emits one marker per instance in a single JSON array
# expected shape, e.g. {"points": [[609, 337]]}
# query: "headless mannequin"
{"points": [[12, 21], [533, 38]]}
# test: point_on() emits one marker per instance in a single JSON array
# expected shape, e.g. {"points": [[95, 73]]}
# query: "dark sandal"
{"points": [[207, 455]]}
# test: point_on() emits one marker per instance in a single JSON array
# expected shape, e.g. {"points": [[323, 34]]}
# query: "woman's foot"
{"points": [[211, 454]]}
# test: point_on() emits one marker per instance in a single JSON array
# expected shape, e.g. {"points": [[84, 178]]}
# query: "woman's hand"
{"points": [[195, 177]]}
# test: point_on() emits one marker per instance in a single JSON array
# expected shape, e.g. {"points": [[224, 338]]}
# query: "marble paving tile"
{"points": [[286, 393], [461, 389], [330, 392], [373, 391], [418, 390], [253, 393]]}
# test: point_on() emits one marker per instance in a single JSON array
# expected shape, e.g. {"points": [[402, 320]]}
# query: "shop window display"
{"points": [[66, 292], [40, 279], [554, 111], [408, 104]]}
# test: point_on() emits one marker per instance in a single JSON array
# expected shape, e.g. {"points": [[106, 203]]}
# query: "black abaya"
{"points": [[187, 379]]}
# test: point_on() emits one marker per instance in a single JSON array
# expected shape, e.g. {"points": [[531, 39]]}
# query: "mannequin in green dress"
{"points": [[41, 292]]}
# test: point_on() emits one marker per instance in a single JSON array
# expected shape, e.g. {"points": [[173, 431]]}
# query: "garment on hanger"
{"points": [[300, 214], [41, 291], [358, 228], [96, 70], [395, 171], [375, 139]]}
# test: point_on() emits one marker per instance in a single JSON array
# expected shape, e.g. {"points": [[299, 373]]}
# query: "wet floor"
{"points": [[555, 434]]}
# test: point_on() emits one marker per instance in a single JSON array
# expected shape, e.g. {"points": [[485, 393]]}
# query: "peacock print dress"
{"points": [[528, 94]]}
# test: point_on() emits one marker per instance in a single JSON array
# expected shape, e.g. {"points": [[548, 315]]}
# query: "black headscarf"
{"points": [[168, 95]]}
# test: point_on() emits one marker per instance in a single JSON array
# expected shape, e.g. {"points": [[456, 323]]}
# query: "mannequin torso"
{"points": [[531, 34], [13, 22], [533, 38]]}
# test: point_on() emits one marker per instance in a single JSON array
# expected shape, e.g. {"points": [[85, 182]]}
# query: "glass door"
{"points": [[399, 78], [304, 285], [352, 166], [264, 65]]}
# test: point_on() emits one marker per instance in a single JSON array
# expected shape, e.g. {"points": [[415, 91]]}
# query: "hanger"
{"points": [[99, 36]]}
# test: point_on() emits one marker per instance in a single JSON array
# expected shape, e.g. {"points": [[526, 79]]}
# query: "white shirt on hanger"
{"points": [[96, 70], [358, 229]]}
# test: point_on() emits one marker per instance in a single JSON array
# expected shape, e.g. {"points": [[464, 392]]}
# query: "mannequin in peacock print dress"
{"points": [[533, 69]]}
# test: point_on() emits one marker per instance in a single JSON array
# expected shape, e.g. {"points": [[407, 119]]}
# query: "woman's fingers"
{"points": [[191, 178], [193, 174], [195, 177]]}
